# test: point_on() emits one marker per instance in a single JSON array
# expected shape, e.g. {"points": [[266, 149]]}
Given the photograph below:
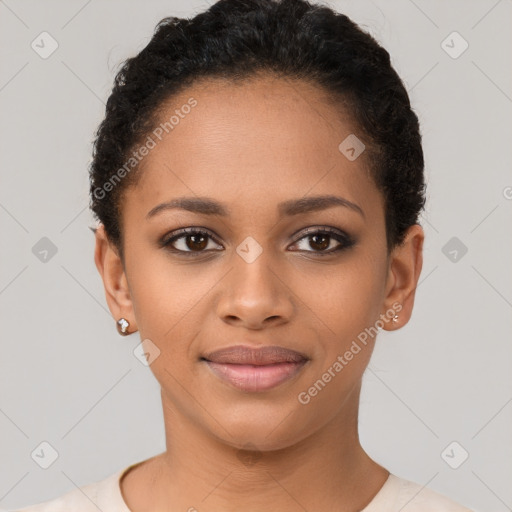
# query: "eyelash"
{"points": [[345, 240]]}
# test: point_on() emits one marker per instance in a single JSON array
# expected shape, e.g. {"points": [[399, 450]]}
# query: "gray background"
{"points": [[68, 378]]}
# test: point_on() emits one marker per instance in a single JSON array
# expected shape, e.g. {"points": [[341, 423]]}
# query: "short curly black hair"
{"points": [[236, 40]]}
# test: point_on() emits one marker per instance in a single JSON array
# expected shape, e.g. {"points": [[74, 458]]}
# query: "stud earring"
{"points": [[395, 318], [122, 326]]}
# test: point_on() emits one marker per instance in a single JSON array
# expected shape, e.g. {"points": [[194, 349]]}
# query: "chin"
{"points": [[261, 433]]}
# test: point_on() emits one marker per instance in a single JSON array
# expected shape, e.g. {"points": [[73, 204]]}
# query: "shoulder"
{"points": [[413, 497], [103, 495]]}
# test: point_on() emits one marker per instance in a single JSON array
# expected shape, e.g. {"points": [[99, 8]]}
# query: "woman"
{"points": [[258, 179]]}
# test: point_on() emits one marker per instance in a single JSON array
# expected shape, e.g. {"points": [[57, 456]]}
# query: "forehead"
{"points": [[263, 139]]}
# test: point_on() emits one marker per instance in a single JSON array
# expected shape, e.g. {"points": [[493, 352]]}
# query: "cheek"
{"points": [[348, 300], [169, 302], [349, 309], [157, 291]]}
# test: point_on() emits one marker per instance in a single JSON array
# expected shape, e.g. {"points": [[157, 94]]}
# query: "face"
{"points": [[261, 263]]}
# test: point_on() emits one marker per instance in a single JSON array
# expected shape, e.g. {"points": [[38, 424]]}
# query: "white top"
{"points": [[106, 496]]}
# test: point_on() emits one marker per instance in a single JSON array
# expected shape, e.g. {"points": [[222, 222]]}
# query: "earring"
{"points": [[395, 318], [122, 326]]}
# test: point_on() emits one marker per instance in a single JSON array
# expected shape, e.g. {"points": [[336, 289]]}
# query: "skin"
{"points": [[252, 146]]}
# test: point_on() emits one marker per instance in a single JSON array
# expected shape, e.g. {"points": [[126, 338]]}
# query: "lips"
{"points": [[240, 354], [255, 369]]}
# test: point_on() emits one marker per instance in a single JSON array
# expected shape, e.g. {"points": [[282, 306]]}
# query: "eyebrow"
{"points": [[208, 206]]}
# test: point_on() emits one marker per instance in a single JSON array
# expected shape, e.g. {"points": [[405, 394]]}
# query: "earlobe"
{"points": [[111, 269], [405, 266]]}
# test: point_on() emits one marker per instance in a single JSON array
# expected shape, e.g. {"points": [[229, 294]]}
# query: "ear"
{"points": [[405, 263], [111, 269]]}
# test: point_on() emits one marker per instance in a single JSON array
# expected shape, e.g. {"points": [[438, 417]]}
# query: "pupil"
{"points": [[323, 245], [194, 237]]}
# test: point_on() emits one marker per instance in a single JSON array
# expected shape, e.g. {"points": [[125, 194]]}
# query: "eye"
{"points": [[188, 240], [321, 239], [195, 240]]}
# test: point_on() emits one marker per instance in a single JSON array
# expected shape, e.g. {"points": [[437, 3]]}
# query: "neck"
{"points": [[326, 470]]}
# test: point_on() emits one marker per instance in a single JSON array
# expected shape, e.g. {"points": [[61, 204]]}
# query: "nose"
{"points": [[254, 295]]}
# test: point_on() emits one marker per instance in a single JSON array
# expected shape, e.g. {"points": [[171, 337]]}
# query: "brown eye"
{"points": [[189, 241], [196, 242], [319, 240]]}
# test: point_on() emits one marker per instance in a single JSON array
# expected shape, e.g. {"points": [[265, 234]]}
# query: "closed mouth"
{"points": [[245, 355]]}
